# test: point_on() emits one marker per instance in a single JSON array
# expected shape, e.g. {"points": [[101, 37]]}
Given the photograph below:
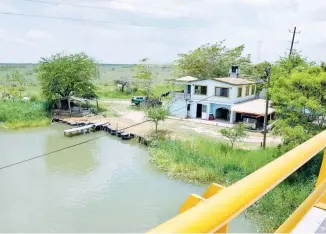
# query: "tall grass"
{"points": [[207, 161], [19, 114]]}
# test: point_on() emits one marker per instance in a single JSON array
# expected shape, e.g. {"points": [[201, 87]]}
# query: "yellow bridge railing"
{"points": [[213, 211]]}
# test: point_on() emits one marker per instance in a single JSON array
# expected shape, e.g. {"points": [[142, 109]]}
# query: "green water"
{"points": [[106, 185]]}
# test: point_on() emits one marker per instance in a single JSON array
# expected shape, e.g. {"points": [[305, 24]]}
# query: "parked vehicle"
{"points": [[250, 123], [153, 102], [137, 100]]}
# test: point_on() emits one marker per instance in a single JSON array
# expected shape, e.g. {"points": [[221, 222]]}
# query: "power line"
{"points": [[52, 152], [87, 6], [89, 20], [83, 142]]}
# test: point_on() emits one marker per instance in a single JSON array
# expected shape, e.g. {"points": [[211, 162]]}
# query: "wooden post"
{"points": [[69, 105]]}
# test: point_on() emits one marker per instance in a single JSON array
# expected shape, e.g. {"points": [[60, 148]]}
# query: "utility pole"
{"points": [[268, 72], [293, 38]]}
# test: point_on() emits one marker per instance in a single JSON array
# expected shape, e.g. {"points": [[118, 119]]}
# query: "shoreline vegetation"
{"points": [[199, 160], [206, 161], [23, 114]]}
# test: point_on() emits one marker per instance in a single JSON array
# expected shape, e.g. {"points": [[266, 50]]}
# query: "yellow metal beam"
{"points": [[220, 209], [303, 209], [212, 190], [322, 176], [321, 205], [191, 201]]}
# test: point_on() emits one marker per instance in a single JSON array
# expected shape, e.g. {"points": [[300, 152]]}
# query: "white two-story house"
{"points": [[230, 98]]}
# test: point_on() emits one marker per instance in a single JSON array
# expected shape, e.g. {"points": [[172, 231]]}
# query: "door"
{"points": [[188, 110], [204, 112], [189, 89], [199, 110]]}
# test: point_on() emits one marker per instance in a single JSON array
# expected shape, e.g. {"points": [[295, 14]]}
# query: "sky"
{"points": [[159, 29]]}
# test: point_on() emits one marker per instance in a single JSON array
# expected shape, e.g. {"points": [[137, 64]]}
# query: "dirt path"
{"points": [[128, 116]]}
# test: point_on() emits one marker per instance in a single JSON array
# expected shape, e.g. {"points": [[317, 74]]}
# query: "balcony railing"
{"points": [[181, 95]]}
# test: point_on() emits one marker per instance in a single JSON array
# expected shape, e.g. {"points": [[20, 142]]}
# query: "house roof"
{"points": [[187, 79], [228, 80], [234, 81], [254, 107]]}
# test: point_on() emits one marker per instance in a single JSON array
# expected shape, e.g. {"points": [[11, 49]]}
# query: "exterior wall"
{"points": [[243, 98], [262, 94], [179, 108], [214, 107], [211, 84], [193, 110], [210, 100]]}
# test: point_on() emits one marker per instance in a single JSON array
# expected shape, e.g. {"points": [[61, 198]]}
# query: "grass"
{"points": [[19, 114], [111, 92], [207, 161], [108, 73]]}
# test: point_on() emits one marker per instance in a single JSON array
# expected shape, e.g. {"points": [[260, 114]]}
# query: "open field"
{"points": [[108, 72], [106, 87]]}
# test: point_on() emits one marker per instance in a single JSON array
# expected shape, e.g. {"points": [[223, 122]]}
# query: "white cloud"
{"points": [[35, 34], [237, 21], [6, 7]]}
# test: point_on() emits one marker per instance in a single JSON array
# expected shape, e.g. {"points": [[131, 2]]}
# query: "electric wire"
{"points": [[102, 8], [93, 21], [89, 140]]}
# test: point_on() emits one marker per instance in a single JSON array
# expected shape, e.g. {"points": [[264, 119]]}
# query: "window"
{"points": [[221, 92], [188, 107], [240, 92], [200, 90], [204, 109], [247, 90], [252, 89]]}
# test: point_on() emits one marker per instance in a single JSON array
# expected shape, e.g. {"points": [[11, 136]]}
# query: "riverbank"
{"points": [[206, 161], [20, 114]]}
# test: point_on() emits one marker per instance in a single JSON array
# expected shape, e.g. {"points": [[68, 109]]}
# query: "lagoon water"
{"points": [[105, 185]]}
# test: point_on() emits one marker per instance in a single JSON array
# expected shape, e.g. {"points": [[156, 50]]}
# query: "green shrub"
{"points": [[207, 161], [16, 114]]}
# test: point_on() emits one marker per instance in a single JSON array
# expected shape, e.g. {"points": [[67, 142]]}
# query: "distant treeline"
{"points": [[101, 64]]}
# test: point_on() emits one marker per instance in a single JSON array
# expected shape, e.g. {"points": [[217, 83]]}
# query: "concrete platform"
{"points": [[313, 222]]}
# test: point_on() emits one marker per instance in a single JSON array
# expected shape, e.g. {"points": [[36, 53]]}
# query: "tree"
{"points": [[210, 61], [323, 66], [19, 81], [234, 134], [298, 94], [143, 73], [156, 114], [257, 72], [62, 76], [123, 82]]}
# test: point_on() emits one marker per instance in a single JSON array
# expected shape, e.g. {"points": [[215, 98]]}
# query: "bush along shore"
{"points": [[20, 114], [208, 161]]}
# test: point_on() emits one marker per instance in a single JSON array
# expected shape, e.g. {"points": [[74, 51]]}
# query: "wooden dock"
{"points": [[88, 127]]}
